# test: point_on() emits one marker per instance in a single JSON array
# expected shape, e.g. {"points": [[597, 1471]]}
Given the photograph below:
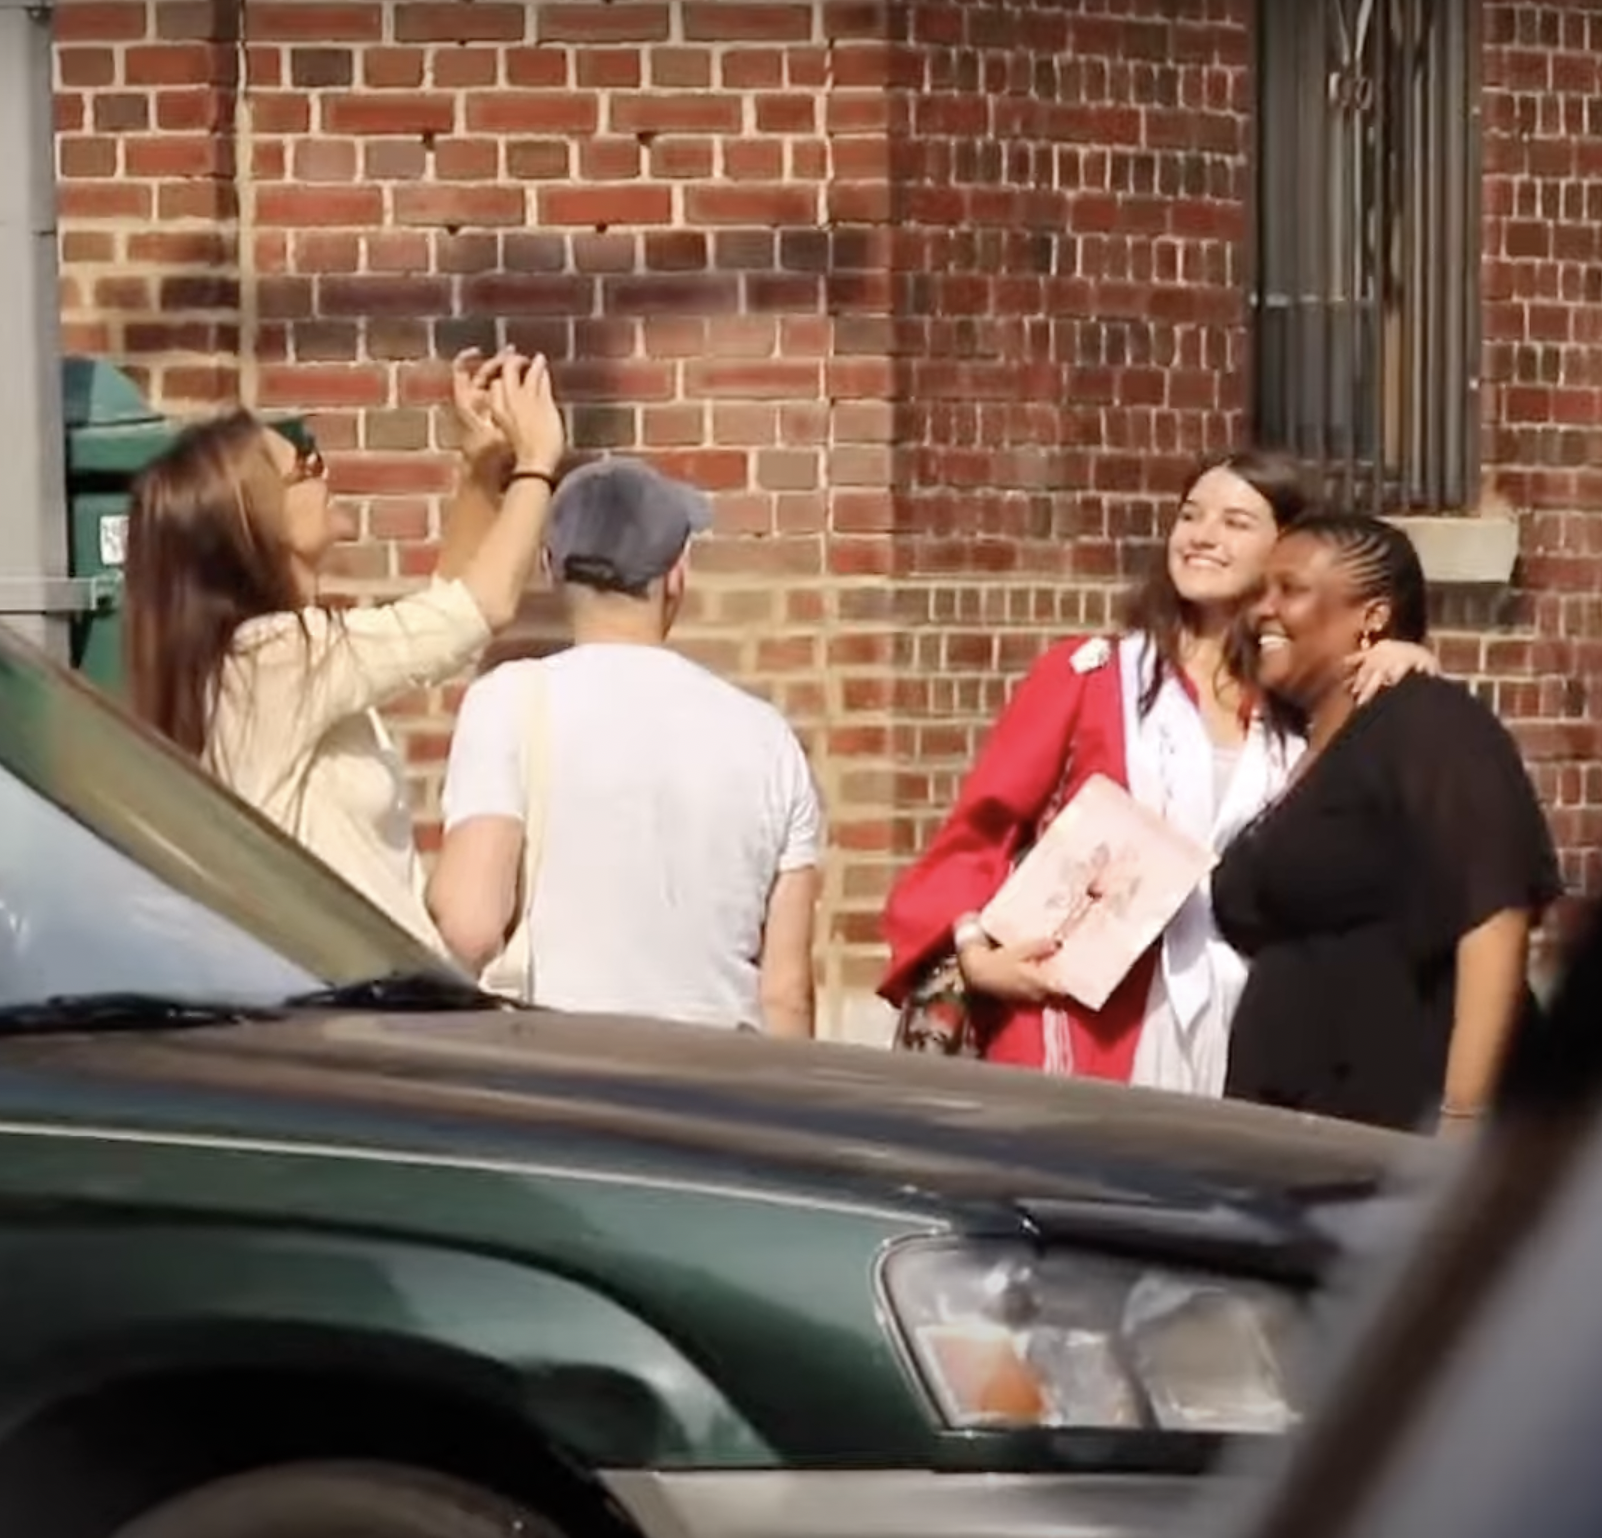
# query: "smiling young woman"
{"points": [[1166, 709], [1386, 899]]}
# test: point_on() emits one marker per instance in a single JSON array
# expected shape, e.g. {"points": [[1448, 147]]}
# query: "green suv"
{"points": [[302, 1236]]}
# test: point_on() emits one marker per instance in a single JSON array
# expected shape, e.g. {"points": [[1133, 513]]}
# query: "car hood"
{"points": [[692, 1103]]}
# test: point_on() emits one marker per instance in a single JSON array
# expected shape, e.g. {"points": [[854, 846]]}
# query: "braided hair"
{"points": [[1380, 562]]}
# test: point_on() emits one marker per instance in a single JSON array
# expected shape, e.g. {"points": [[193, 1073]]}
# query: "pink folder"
{"points": [[1105, 879]]}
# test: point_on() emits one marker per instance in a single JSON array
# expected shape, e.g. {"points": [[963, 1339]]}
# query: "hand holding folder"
{"points": [[1105, 879]]}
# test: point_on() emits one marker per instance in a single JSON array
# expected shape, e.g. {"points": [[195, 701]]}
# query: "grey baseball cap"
{"points": [[617, 524]]}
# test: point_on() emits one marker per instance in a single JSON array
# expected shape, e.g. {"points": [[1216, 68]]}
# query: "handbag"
{"points": [[937, 1015], [508, 974]]}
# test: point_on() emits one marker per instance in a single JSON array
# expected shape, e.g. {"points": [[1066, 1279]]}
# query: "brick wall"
{"points": [[1542, 292], [940, 300]]}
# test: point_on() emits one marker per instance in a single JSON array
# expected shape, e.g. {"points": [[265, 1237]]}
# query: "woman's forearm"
{"points": [[500, 569], [1492, 969], [472, 510]]}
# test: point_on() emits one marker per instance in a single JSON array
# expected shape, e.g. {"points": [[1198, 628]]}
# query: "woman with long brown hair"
{"points": [[231, 654], [1163, 708]]}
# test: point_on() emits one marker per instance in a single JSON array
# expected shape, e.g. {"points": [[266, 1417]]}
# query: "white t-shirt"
{"points": [[676, 799]]}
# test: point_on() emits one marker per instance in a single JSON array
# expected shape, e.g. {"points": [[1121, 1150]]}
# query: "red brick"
{"points": [[314, 386], [460, 205], [101, 21], [514, 294], [398, 251], [609, 68], [91, 157], [462, 22], [592, 206], [507, 112], [786, 114], [630, 113], [175, 155], [393, 68], [323, 251], [752, 381], [455, 68], [176, 64], [682, 159], [538, 159], [394, 160], [721, 21], [281, 113], [625, 21], [763, 206], [206, 109], [299, 207], [86, 67], [609, 160], [467, 160], [699, 293], [681, 69], [374, 296], [306, 21], [105, 200], [544, 69], [388, 114], [744, 69]]}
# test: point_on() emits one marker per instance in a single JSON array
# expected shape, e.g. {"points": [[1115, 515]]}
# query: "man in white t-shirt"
{"points": [[678, 868]]}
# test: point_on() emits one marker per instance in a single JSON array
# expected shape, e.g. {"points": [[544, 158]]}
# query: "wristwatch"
{"points": [[968, 931]]}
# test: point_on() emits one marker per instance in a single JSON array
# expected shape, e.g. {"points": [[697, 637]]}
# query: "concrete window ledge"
{"points": [[1464, 551]]}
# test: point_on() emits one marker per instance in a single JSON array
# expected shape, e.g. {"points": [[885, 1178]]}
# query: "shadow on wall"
{"points": [[712, 353]]}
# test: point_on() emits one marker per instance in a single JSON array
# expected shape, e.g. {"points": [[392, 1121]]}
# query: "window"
{"points": [[1365, 298], [78, 916], [124, 867]]}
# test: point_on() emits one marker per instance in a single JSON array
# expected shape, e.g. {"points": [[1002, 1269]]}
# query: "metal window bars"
{"points": [[1365, 294]]}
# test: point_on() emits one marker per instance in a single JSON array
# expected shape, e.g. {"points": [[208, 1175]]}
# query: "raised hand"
{"points": [[472, 374], [523, 407]]}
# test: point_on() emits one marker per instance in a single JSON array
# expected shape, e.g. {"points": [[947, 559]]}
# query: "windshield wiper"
{"points": [[421, 992], [66, 1013]]}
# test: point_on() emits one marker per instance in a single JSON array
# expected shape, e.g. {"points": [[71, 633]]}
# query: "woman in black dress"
{"points": [[1385, 901]]}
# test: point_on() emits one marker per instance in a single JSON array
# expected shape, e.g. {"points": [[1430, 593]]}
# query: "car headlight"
{"points": [[1005, 1337]]}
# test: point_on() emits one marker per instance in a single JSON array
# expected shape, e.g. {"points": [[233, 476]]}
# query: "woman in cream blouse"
{"points": [[232, 656]]}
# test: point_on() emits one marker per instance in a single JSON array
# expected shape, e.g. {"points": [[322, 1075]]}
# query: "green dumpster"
{"points": [[112, 434]]}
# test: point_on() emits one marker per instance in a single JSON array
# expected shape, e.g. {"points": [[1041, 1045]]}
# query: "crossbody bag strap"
{"points": [[508, 974]]}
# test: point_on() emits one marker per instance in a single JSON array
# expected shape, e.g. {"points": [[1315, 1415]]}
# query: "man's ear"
{"points": [[677, 577]]}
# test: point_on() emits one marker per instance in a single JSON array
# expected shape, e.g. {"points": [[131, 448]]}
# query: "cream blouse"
{"points": [[295, 731]]}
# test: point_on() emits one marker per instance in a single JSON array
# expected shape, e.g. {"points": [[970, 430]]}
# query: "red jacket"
{"points": [[1058, 717]]}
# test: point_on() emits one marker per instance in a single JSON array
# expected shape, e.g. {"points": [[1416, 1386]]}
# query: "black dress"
{"points": [[1348, 896]]}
